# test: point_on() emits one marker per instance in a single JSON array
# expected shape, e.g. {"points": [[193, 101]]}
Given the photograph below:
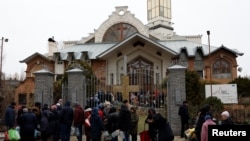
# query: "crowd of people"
{"points": [[56, 122]]}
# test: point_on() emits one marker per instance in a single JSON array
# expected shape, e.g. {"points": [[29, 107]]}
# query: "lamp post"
{"points": [[210, 66], [1, 65]]}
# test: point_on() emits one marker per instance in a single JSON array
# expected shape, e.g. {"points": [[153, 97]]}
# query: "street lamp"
{"points": [[210, 67], [1, 65]]}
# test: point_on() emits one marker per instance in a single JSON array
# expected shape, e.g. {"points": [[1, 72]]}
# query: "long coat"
{"points": [[134, 123]]}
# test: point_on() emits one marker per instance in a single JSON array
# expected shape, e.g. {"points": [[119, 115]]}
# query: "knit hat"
{"points": [[207, 117], [225, 113]]}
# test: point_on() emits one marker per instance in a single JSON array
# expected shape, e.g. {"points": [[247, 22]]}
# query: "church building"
{"points": [[124, 52]]}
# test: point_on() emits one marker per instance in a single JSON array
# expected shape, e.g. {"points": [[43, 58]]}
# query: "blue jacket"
{"points": [[96, 125], [10, 116]]}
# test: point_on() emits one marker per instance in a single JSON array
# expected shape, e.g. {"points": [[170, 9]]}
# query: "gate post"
{"points": [[176, 94], [44, 87], [76, 86]]}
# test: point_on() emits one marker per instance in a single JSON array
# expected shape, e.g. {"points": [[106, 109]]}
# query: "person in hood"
{"points": [[96, 123], [65, 121], [78, 120], [204, 129], [10, 115]]}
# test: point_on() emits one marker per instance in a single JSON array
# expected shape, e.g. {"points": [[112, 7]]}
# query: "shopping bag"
{"points": [[145, 135], [14, 135]]}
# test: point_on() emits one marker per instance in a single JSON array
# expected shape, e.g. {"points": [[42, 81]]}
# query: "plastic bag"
{"points": [[14, 135]]}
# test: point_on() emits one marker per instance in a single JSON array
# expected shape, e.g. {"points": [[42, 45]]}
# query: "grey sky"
{"points": [[29, 23]]}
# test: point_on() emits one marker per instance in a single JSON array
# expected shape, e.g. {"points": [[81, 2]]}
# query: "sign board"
{"points": [[227, 93]]}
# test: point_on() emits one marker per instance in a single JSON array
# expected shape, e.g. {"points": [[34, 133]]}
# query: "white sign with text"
{"points": [[227, 93]]}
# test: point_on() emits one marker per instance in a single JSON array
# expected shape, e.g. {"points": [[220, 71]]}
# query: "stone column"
{"points": [[175, 96], [44, 87], [76, 87]]}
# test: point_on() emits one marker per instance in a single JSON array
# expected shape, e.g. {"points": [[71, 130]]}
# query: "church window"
{"points": [[221, 66], [140, 72], [198, 61], [183, 59], [157, 78], [119, 32], [22, 98]]}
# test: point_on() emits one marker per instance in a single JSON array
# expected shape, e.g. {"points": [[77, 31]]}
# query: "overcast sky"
{"points": [[29, 23]]}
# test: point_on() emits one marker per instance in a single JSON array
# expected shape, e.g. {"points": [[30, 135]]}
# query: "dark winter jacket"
{"points": [[163, 127], [124, 118], [54, 122], [183, 112], [44, 123], [112, 123], [66, 114], [96, 123], [28, 124], [10, 116], [228, 121]]}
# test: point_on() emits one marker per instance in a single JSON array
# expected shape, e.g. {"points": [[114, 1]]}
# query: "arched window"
{"points": [[221, 66], [119, 32]]}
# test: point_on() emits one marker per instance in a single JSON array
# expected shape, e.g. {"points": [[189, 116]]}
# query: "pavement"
{"points": [[176, 138]]}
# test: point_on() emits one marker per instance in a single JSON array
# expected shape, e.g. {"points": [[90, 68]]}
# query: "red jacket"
{"points": [[78, 116]]}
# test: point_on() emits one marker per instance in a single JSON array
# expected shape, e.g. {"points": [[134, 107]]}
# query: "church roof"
{"points": [[139, 37], [93, 49], [191, 47], [96, 50], [34, 55]]}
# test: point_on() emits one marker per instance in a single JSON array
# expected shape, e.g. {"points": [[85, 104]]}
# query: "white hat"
{"points": [[88, 109], [225, 113]]}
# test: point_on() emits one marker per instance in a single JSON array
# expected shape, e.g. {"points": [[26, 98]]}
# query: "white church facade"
{"points": [[124, 46]]}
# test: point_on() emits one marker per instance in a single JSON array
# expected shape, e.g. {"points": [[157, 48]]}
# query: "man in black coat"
{"points": [[125, 120], [184, 114], [28, 123], [10, 115], [65, 120]]}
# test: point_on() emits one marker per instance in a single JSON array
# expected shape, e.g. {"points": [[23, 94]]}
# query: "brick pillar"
{"points": [[76, 87], [44, 86], [175, 96]]}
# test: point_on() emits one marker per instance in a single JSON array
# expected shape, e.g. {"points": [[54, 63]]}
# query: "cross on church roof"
{"points": [[121, 28]]}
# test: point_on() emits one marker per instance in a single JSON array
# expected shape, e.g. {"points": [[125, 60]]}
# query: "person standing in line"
{"points": [[184, 114], [78, 120], [10, 116], [204, 129], [28, 123], [112, 122], [87, 115], [65, 121], [134, 124], [44, 123], [151, 127], [226, 119], [125, 119], [96, 125], [205, 110], [54, 123], [165, 132]]}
